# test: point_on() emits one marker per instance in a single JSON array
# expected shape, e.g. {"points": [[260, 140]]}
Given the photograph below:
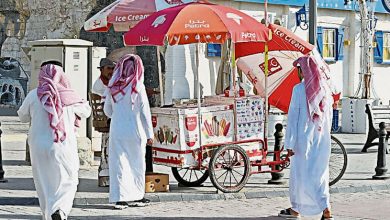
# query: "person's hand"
{"points": [[149, 142], [290, 152]]}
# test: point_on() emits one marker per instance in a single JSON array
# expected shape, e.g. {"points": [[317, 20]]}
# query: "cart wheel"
{"points": [[338, 161], [229, 168], [189, 177]]}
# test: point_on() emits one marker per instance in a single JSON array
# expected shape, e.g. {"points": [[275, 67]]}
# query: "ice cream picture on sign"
{"points": [[159, 20], [166, 136], [216, 127]]}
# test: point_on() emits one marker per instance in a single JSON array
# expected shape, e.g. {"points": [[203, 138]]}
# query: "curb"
{"points": [[186, 197]]}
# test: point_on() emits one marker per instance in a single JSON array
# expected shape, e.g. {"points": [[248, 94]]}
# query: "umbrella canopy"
{"points": [[198, 22], [124, 14], [284, 48]]}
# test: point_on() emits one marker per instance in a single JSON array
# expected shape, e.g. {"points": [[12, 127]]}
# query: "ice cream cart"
{"points": [[230, 134]]}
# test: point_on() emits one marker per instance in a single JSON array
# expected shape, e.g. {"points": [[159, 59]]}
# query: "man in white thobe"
{"points": [[106, 68], [131, 129], [53, 109], [308, 139]]}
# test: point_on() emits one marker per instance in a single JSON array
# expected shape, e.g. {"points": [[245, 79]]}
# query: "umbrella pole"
{"points": [[234, 69], [198, 92], [160, 77], [266, 92], [266, 78]]}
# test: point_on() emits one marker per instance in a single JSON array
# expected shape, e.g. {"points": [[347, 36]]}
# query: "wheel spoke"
{"points": [[222, 175], [190, 175], [234, 177], [196, 175], [235, 154], [223, 157], [238, 172], [224, 181], [230, 179], [229, 157], [185, 173]]}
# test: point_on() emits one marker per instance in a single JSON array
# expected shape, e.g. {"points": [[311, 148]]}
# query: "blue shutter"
{"points": [[340, 44], [319, 39], [378, 51]]}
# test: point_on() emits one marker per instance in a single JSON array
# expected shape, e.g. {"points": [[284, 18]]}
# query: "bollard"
{"points": [[2, 180], [380, 170], [277, 177]]}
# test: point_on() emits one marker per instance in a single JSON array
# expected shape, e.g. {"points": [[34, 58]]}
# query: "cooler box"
{"points": [[177, 137], [156, 182]]}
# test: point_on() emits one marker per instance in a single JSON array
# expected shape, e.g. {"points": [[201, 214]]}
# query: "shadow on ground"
{"points": [[15, 163], [85, 185]]}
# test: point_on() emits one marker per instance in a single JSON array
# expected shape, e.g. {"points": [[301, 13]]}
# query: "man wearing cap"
{"points": [[106, 70]]}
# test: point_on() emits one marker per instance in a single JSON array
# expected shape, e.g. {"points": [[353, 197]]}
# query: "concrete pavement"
{"points": [[20, 188], [355, 206]]}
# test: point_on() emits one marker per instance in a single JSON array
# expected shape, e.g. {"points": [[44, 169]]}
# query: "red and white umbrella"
{"points": [[124, 14], [283, 49], [197, 22]]}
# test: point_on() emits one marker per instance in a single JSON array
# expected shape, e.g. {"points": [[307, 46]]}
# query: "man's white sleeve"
{"points": [[292, 120]]}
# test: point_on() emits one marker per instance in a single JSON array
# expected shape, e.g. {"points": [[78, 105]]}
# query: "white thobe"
{"points": [[55, 165], [129, 130], [309, 173], [99, 87]]}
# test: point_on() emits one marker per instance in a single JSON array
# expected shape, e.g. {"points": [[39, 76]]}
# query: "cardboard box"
{"points": [[156, 182]]}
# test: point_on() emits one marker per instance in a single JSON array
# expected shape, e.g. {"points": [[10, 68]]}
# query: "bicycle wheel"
{"points": [[338, 161], [229, 168], [189, 177]]}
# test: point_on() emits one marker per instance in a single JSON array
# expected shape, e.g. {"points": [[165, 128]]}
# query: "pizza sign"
{"points": [[386, 5]]}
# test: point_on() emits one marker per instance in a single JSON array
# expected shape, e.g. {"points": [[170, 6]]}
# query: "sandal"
{"points": [[121, 205], [288, 213], [327, 218]]}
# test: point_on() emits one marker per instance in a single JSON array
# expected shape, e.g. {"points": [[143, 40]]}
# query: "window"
{"points": [[382, 50], [213, 50], [330, 43], [386, 47]]}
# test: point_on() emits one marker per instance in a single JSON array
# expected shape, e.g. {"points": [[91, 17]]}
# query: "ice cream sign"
{"points": [[127, 18], [289, 39], [191, 135], [191, 123]]}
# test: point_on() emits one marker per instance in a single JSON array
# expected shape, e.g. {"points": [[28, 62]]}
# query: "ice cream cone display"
{"points": [[216, 127]]}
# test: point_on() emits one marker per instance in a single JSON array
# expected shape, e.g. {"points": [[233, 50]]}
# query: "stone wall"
{"points": [[28, 20]]}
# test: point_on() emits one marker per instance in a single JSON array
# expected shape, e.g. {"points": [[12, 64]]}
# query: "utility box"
{"points": [[80, 61], [354, 118]]}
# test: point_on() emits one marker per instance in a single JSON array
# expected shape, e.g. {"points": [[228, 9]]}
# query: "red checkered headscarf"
{"points": [[55, 93], [317, 88], [128, 71]]}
